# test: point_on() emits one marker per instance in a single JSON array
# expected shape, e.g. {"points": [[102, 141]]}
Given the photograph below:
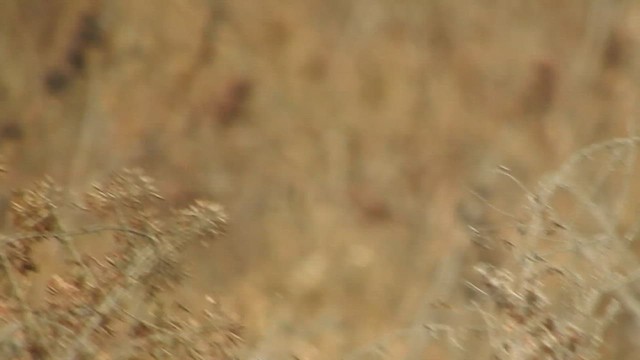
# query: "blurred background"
{"points": [[346, 138]]}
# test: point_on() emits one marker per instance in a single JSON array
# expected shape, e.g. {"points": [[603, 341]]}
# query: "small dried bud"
{"points": [[203, 219], [130, 189], [34, 209]]}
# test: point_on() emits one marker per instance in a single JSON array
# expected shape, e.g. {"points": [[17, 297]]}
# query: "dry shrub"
{"points": [[572, 266], [123, 296], [569, 277]]}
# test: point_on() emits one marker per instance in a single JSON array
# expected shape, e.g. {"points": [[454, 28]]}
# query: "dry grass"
{"points": [[353, 143]]}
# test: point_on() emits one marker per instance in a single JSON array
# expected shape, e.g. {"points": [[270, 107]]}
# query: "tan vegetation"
{"points": [[372, 157]]}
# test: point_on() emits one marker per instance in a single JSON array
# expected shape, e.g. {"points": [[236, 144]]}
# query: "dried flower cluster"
{"points": [[523, 324], [32, 210], [112, 305]]}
